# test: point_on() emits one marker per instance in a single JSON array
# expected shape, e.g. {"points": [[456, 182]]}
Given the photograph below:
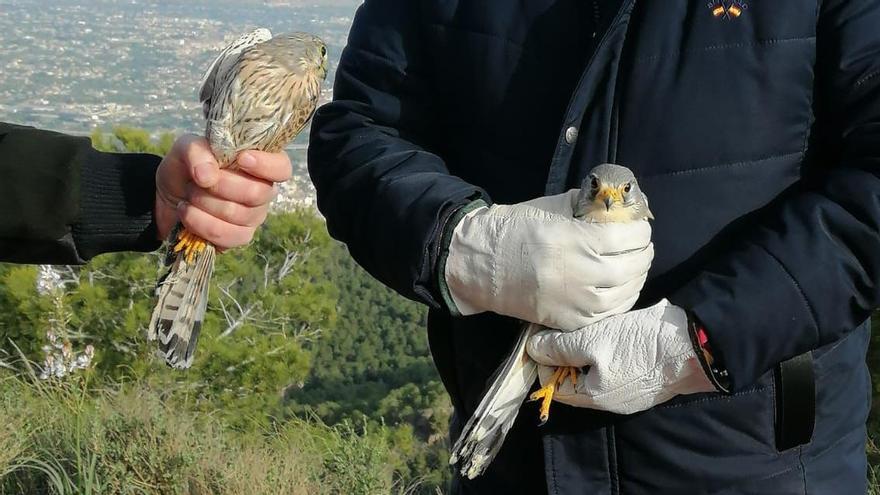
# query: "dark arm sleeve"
{"points": [[810, 271], [62, 202], [381, 190]]}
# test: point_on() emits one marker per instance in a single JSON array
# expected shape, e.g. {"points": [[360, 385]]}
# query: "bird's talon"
{"points": [[573, 374], [545, 393], [190, 244]]}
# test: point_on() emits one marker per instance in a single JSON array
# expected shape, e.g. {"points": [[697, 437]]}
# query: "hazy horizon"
{"points": [[74, 66]]}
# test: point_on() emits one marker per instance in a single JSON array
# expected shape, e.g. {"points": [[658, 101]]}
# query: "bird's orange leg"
{"points": [[545, 393], [190, 244]]}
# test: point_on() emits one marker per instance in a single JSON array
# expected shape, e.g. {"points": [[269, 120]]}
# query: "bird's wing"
{"points": [[239, 117], [484, 433], [225, 61]]}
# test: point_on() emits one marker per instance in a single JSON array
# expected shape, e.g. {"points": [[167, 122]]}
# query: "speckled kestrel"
{"points": [[258, 94]]}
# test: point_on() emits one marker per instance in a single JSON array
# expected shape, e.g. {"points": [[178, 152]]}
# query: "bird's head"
{"points": [[302, 52], [610, 193], [320, 58]]}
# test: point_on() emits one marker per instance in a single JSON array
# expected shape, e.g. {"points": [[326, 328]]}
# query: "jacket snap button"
{"points": [[571, 135]]}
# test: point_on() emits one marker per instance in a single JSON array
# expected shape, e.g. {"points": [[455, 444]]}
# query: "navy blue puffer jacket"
{"points": [[757, 139]]}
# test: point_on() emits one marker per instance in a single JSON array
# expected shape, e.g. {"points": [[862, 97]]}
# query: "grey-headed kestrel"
{"points": [[258, 94], [610, 193]]}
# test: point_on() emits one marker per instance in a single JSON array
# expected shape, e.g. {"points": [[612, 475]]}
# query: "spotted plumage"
{"points": [[258, 94], [266, 97]]}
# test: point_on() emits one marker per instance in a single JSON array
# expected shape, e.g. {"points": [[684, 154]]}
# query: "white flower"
{"points": [[82, 362], [61, 360], [48, 280]]}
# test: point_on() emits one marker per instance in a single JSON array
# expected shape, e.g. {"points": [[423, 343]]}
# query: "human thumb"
{"points": [[200, 162]]}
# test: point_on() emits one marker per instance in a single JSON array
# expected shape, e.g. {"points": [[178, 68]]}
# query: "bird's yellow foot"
{"points": [[190, 244], [545, 393]]}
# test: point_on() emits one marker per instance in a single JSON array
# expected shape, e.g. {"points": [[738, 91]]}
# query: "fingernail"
{"points": [[204, 173], [247, 160]]}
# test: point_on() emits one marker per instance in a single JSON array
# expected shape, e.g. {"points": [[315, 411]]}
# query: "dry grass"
{"points": [[873, 468], [62, 440]]}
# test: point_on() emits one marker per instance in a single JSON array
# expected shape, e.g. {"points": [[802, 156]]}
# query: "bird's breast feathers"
{"points": [[615, 214], [263, 107]]}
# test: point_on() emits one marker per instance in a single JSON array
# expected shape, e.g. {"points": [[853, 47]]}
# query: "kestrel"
{"points": [[610, 193], [258, 94]]}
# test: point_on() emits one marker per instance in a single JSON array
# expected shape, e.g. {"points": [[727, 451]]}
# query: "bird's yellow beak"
{"points": [[607, 197]]}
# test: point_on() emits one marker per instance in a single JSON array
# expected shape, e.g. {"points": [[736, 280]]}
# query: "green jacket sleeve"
{"points": [[62, 202]]}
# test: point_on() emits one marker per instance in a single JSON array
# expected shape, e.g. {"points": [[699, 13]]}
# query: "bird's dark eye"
{"points": [[323, 51], [594, 183], [627, 188]]}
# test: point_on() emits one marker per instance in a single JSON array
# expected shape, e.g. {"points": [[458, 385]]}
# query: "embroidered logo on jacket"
{"points": [[723, 9]]}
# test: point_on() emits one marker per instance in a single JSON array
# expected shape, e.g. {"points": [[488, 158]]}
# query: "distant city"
{"points": [[74, 66]]}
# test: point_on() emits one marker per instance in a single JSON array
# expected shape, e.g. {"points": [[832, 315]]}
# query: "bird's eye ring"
{"points": [[627, 188], [594, 182], [323, 51]]}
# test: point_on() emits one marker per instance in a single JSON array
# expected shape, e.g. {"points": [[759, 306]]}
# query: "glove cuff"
{"points": [[716, 374], [446, 239]]}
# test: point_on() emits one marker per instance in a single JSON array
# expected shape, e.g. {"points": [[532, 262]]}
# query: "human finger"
{"points": [[239, 187], [620, 269], [272, 167], [199, 160], [218, 232], [230, 211], [556, 348]]}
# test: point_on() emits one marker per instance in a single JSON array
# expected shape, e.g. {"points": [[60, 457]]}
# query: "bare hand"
{"points": [[221, 206]]}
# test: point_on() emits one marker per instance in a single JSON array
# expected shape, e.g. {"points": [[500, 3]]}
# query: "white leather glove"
{"points": [[536, 262], [636, 360]]}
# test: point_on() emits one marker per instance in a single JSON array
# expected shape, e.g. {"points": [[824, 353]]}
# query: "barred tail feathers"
{"points": [[180, 309]]}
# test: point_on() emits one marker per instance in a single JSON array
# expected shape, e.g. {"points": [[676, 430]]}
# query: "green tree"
{"points": [[267, 302], [271, 301], [132, 140], [376, 364]]}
